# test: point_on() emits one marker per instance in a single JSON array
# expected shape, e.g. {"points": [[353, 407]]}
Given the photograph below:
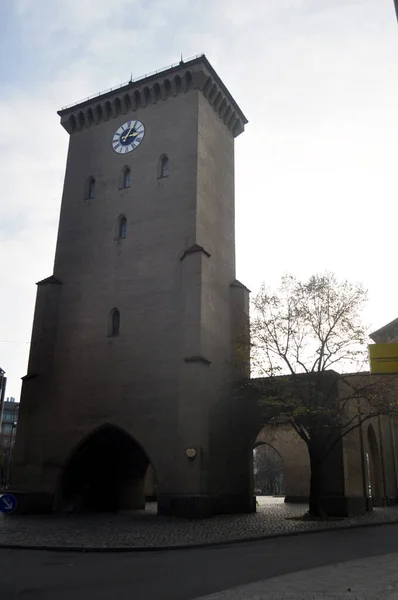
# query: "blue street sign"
{"points": [[8, 503]]}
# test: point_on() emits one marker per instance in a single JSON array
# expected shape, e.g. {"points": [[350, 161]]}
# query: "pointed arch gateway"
{"points": [[106, 472]]}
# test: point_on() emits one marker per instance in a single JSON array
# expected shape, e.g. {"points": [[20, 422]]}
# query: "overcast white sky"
{"points": [[316, 181]]}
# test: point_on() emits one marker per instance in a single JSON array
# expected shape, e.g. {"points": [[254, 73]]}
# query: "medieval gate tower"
{"points": [[133, 357]]}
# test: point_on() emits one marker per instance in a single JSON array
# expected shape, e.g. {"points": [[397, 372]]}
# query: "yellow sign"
{"points": [[383, 358]]}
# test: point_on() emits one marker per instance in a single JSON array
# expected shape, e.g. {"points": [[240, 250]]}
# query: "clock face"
{"points": [[128, 137]]}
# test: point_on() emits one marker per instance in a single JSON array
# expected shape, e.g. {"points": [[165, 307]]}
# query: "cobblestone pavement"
{"points": [[374, 578], [145, 529]]}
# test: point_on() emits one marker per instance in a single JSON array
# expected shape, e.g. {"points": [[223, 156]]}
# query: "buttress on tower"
{"points": [[140, 334]]}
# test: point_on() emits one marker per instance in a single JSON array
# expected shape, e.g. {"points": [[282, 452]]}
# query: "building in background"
{"points": [[8, 427], [9, 418], [388, 334], [3, 383], [383, 354]]}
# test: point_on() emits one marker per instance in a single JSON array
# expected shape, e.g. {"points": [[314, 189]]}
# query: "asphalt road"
{"points": [[180, 574]]}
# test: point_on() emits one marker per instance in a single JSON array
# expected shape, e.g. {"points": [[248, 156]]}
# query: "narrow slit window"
{"points": [[121, 227], [126, 178], [90, 193], [164, 166], [114, 323]]}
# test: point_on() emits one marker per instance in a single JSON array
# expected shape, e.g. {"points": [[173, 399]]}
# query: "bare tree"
{"points": [[300, 334], [268, 470]]}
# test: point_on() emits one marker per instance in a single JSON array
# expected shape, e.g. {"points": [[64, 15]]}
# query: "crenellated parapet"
{"points": [[196, 74]]}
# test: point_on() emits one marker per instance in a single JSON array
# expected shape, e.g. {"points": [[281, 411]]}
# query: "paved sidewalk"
{"points": [[144, 529], [374, 578]]}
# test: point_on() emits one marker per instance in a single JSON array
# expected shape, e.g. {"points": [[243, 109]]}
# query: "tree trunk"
{"points": [[316, 487]]}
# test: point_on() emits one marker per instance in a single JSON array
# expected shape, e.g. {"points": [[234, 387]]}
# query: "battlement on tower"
{"points": [[195, 74]]}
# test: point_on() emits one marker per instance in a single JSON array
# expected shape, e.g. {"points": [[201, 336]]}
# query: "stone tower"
{"points": [[138, 334]]}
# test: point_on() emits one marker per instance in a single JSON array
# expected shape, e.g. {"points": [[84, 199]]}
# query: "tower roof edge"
{"points": [[197, 65]]}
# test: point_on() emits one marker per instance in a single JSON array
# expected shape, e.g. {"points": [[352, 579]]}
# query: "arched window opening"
{"points": [[126, 177], [121, 227], [114, 323], [90, 188], [164, 166]]}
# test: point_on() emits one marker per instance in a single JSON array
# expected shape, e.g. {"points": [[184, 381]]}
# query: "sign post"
{"points": [[8, 503]]}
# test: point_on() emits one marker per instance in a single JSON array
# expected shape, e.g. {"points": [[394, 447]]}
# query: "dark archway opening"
{"points": [[268, 471], [105, 474]]}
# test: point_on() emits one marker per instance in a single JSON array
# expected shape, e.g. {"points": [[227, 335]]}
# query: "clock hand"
{"points": [[124, 137], [129, 134]]}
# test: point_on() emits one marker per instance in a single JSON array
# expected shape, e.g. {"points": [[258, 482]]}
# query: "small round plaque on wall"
{"points": [[191, 452]]}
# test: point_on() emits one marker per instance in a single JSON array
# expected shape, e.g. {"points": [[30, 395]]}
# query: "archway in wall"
{"points": [[268, 471], [105, 473], [376, 479], [294, 457]]}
